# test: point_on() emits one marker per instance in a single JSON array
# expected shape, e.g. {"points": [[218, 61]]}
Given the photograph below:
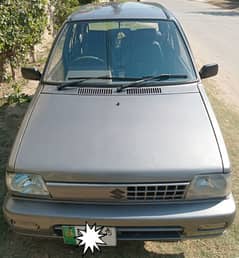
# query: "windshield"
{"points": [[119, 49]]}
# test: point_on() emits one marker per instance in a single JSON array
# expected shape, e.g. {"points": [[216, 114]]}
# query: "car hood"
{"points": [[119, 138]]}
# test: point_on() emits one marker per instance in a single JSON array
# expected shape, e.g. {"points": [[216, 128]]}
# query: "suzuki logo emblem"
{"points": [[117, 194]]}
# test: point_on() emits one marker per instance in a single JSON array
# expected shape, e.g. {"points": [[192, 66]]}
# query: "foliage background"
{"points": [[62, 9], [22, 25]]}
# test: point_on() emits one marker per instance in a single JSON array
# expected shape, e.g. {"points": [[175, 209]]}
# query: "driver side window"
{"points": [[87, 53]]}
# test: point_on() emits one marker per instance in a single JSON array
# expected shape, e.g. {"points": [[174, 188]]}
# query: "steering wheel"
{"points": [[90, 60]]}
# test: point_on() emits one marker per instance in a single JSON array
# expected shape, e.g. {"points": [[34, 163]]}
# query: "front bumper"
{"points": [[167, 221]]}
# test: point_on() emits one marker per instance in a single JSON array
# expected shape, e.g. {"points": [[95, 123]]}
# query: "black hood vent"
{"points": [[144, 91], [95, 91]]}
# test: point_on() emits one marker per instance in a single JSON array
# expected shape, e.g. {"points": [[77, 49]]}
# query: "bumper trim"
{"points": [[38, 218], [142, 233]]}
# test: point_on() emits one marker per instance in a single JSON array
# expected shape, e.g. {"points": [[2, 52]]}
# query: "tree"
{"points": [[62, 9], [37, 21], [22, 24]]}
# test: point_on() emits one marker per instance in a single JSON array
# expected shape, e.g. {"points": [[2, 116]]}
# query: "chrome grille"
{"points": [[170, 191], [118, 192]]}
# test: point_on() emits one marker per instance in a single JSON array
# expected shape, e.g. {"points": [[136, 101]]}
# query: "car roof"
{"points": [[120, 10]]}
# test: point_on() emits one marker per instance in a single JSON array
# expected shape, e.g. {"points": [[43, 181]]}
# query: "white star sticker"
{"points": [[91, 238]]}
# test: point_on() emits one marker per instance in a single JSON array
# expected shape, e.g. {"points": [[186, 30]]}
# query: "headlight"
{"points": [[26, 184], [209, 186]]}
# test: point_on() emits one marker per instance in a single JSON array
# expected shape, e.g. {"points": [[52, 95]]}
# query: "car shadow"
{"points": [[219, 13], [227, 4], [52, 248]]}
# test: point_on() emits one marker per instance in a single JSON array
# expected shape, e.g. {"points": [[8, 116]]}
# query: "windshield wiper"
{"points": [[144, 80], [79, 81]]}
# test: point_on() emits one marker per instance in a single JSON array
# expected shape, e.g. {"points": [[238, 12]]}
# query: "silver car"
{"points": [[120, 133]]}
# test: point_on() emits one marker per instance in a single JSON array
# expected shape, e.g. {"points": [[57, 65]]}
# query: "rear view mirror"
{"points": [[31, 74], [208, 70]]}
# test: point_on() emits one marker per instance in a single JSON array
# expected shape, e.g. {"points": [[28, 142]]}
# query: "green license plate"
{"points": [[70, 234]]}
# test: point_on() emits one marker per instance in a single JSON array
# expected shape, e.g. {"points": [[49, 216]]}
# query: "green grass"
{"points": [[227, 246]]}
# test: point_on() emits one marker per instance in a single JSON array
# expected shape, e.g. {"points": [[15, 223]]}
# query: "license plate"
{"points": [[70, 234]]}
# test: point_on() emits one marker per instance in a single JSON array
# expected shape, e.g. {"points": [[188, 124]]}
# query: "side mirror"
{"points": [[31, 74], [208, 70]]}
